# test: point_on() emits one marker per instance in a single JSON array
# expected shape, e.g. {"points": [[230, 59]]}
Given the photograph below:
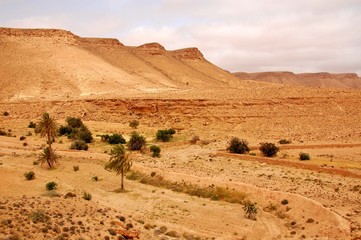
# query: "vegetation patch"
{"points": [[136, 141], [304, 156], [75, 129], [211, 192], [269, 149], [165, 135]]}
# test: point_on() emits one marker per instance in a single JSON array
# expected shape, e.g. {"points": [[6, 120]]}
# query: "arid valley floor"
{"points": [[315, 199]]}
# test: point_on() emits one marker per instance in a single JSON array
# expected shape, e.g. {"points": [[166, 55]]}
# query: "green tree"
{"points": [[136, 141], [47, 128], [119, 162]]}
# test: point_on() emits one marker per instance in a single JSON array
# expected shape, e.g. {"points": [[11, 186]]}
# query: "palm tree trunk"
{"points": [[121, 184], [50, 150]]}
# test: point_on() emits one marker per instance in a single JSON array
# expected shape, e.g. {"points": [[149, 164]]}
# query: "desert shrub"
{"points": [[87, 196], [284, 202], [29, 175], [36, 162], [79, 145], [165, 135], [269, 149], [136, 141], [116, 138], [104, 137], [95, 178], [134, 124], [25, 144], [74, 122], [76, 130], [51, 186], [194, 139], [32, 125], [304, 156], [22, 138], [239, 146], [250, 210], [284, 141], [65, 130], [6, 114], [155, 150], [39, 216], [2, 133], [84, 134], [76, 168]]}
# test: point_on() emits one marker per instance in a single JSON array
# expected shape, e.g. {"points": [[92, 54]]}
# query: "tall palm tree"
{"points": [[47, 128], [119, 162]]}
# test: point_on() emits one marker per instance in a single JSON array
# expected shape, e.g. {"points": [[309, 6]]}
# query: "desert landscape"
{"points": [[196, 189]]}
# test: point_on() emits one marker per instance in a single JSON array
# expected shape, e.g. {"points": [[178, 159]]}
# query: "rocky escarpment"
{"points": [[188, 54], [319, 79]]}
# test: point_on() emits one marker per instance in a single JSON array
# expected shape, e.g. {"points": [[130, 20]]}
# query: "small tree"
{"points": [[119, 162], [269, 149], [49, 156], [239, 146], [47, 128], [136, 141], [134, 124], [155, 150]]}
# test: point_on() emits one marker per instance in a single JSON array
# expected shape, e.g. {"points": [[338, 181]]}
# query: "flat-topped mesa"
{"points": [[50, 33], [278, 75], [100, 41], [188, 54], [152, 48]]}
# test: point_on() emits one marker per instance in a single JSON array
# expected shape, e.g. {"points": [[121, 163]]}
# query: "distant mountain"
{"points": [[56, 64], [322, 79]]}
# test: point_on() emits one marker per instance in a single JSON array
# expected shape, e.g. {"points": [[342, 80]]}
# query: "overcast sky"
{"points": [[237, 35]]}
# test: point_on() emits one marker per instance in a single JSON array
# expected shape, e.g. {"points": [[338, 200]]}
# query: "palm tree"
{"points": [[47, 128], [49, 156], [119, 162]]}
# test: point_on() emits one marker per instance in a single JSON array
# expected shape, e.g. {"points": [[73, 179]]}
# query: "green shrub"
{"points": [[76, 168], [134, 124], [284, 141], [29, 175], [239, 146], [32, 125], [136, 141], [269, 149], [84, 134], [51, 186], [65, 130], [250, 210], [116, 138], [87, 196], [165, 135], [155, 150], [74, 122], [79, 145], [304, 156]]}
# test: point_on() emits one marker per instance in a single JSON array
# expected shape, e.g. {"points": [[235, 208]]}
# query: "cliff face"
{"points": [[320, 79], [51, 63]]}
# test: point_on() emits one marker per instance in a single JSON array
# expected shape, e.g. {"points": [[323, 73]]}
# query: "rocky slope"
{"points": [[56, 64]]}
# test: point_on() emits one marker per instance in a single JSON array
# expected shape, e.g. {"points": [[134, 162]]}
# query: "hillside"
{"points": [[56, 64], [321, 79]]}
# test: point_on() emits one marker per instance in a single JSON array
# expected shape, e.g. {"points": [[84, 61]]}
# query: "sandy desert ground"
{"points": [[315, 199]]}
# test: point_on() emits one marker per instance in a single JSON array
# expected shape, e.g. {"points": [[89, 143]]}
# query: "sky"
{"points": [[237, 35]]}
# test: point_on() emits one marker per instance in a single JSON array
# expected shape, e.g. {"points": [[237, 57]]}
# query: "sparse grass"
{"points": [[87, 196], [39, 216], [212, 192], [250, 210], [284, 141]]}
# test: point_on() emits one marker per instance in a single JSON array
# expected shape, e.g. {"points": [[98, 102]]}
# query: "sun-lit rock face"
{"points": [[188, 54]]}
